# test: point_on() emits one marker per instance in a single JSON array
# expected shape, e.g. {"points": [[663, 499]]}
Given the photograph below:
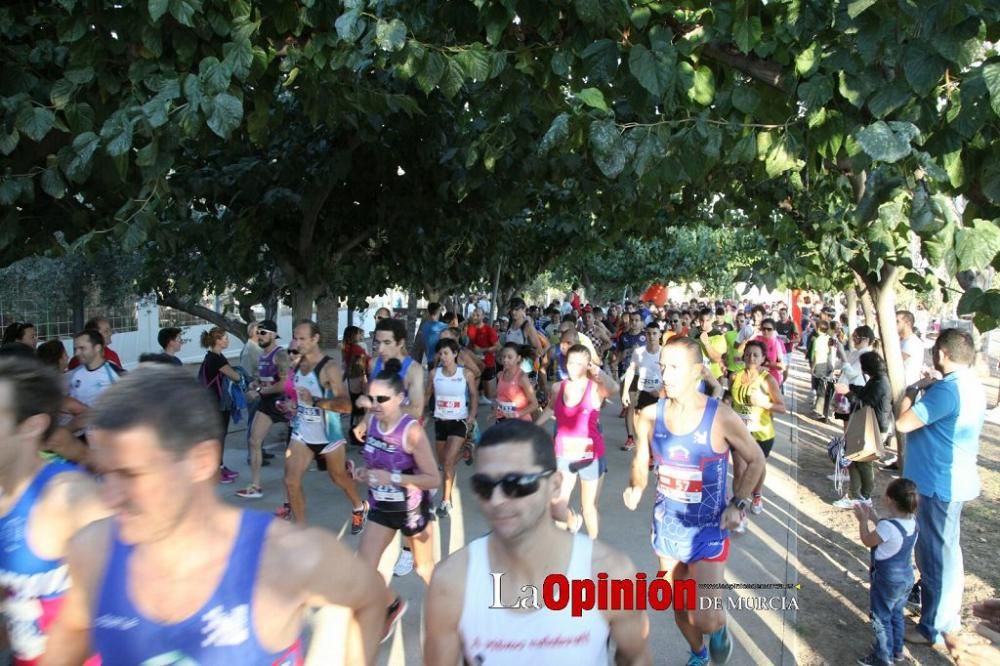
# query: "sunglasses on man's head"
{"points": [[380, 399], [513, 485]]}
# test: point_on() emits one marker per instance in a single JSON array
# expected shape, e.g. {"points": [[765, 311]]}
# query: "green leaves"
{"points": [[8, 142], [857, 7], [984, 304], [816, 91], [923, 67], [35, 122], [977, 246], [991, 75], [475, 63], [390, 35], [157, 8], [747, 34], [654, 70], [608, 147], [887, 142], [593, 98], [557, 133], [350, 26], [699, 84], [781, 157], [807, 62], [600, 61], [117, 134], [53, 183], [226, 114]]}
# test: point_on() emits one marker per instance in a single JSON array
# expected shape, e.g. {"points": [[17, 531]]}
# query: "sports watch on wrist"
{"points": [[396, 478], [740, 503]]}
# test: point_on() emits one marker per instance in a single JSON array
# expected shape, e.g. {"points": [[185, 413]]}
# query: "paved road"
{"points": [[764, 555]]}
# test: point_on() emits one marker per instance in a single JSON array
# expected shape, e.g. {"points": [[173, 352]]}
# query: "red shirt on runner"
{"points": [[483, 337]]}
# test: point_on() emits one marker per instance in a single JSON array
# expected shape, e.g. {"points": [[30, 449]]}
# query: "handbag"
{"points": [[864, 441]]}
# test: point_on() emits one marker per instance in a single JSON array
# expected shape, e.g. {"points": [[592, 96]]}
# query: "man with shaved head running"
{"points": [[690, 436]]}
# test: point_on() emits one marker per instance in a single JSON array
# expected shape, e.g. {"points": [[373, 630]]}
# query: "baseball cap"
{"points": [[268, 326]]}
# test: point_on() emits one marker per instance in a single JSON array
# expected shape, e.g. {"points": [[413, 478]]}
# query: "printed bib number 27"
{"points": [[680, 484]]}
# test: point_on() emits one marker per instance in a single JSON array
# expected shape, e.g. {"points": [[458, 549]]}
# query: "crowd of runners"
{"points": [[119, 547]]}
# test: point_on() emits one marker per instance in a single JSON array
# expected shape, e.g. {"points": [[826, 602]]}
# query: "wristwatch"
{"points": [[740, 503], [396, 478]]}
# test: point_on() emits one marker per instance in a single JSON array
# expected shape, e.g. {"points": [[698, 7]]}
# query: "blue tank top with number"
{"points": [[691, 476], [220, 634]]}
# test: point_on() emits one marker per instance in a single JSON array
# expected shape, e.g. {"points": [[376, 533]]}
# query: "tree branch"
{"points": [[761, 70], [237, 328]]}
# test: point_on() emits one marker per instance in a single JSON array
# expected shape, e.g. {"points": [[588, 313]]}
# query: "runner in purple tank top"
{"points": [[691, 436], [400, 471], [576, 405]]}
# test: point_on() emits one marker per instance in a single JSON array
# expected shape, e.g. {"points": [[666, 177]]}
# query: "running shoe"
{"points": [[359, 518], [698, 658], [871, 659], [228, 473], [629, 444], [467, 453], [741, 528], [250, 492], [267, 455], [285, 512], [844, 502], [404, 564], [720, 647], [444, 510], [392, 615], [757, 506]]}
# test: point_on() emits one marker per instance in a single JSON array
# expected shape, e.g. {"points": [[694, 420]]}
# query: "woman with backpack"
{"points": [[214, 369]]}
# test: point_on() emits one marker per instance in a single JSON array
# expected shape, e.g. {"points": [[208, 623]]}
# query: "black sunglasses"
{"points": [[293, 352], [767, 328], [380, 399], [513, 485]]}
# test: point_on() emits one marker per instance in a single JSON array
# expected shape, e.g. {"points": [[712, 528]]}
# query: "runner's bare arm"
{"points": [[529, 392], [471, 363], [627, 382], [713, 354], [548, 412], [774, 393], [443, 611], [644, 425], [333, 379], [283, 364], [428, 389], [69, 637], [629, 629], [427, 477], [414, 384], [607, 387], [472, 381], [335, 576]]}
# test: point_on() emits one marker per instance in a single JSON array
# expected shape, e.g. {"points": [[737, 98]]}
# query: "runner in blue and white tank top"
{"points": [[321, 398], [182, 577], [690, 436]]}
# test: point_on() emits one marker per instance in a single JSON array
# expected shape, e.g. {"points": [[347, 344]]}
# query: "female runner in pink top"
{"points": [[515, 395], [576, 406]]}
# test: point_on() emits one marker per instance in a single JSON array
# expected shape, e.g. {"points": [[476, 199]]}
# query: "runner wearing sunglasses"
{"points": [[516, 481], [400, 472]]}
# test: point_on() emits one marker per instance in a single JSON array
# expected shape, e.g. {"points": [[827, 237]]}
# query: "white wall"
{"points": [[130, 345]]}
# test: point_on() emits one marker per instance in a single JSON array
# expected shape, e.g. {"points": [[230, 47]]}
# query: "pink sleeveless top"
{"points": [[578, 435], [511, 398]]}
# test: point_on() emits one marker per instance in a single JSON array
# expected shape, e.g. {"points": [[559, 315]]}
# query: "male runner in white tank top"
{"points": [[526, 546]]}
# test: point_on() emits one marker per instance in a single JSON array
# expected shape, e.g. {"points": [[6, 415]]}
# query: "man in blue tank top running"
{"points": [[42, 504], [691, 516], [179, 577]]}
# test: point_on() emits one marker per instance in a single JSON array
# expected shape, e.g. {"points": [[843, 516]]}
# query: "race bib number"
{"points": [[309, 414], [506, 410], [448, 410], [577, 449], [388, 494], [680, 484], [649, 384]]}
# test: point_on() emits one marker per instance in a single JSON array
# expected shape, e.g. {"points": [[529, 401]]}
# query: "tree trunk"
{"points": [[302, 302], [350, 315], [884, 296], [411, 317], [494, 304], [78, 300], [328, 318], [271, 308], [852, 308]]}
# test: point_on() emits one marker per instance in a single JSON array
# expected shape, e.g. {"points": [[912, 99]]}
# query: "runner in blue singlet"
{"points": [[179, 577], [690, 436]]}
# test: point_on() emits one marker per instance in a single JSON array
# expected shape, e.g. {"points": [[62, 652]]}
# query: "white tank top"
{"points": [[87, 385], [503, 637], [451, 402], [649, 371], [309, 425]]}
